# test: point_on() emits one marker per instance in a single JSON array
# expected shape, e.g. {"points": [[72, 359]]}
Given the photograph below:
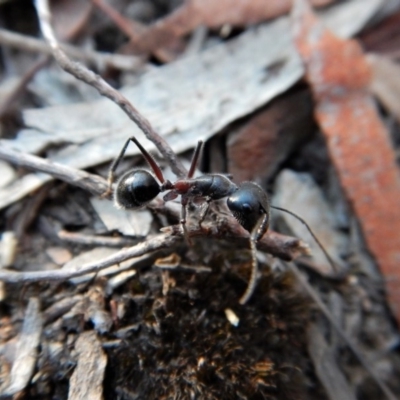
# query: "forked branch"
{"points": [[80, 72]]}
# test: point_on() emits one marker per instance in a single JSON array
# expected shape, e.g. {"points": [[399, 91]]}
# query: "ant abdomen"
{"points": [[248, 204], [135, 189]]}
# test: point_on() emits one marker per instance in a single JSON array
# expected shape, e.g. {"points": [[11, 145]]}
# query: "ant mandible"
{"points": [[248, 202]]}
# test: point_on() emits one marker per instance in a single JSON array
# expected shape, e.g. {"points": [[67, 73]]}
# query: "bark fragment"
{"points": [[359, 145]]}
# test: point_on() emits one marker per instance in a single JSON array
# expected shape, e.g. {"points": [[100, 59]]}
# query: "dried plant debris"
{"points": [[99, 254], [87, 379], [184, 347], [178, 344], [194, 13], [261, 63], [358, 142], [326, 367], [26, 351], [269, 136], [160, 319], [383, 38], [7, 172], [129, 223]]}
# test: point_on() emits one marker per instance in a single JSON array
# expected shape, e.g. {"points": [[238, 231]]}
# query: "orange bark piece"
{"points": [[358, 142]]}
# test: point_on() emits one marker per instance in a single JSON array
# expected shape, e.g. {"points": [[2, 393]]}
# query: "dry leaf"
{"points": [[213, 14], [358, 142], [26, 349], [87, 379]]}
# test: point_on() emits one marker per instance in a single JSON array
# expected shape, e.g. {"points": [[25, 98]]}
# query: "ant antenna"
{"points": [[150, 160], [328, 257], [256, 233], [251, 284]]}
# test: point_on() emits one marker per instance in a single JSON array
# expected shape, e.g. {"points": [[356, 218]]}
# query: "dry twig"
{"points": [[92, 79], [90, 240], [279, 245], [101, 60], [7, 101], [131, 28], [156, 243], [92, 183]]}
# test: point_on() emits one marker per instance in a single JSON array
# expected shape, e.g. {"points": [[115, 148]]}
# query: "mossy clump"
{"points": [[184, 347]]}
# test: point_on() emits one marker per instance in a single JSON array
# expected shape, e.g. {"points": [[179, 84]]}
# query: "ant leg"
{"points": [[184, 202], [195, 159], [204, 211], [253, 276], [261, 227], [150, 160], [113, 167], [256, 233]]}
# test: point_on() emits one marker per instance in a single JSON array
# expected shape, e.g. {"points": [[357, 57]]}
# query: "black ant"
{"points": [[248, 202]]}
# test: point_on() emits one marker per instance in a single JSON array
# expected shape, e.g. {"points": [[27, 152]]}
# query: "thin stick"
{"points": [[132, 29], [101, 60], [158, 242], [284, 246], [92, 240], [7, 101], [82, 73], [92, 183], [366, 364]]}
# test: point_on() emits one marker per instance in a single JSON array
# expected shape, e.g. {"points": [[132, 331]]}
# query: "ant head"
{"points": [[248, 204], [135, 189]]}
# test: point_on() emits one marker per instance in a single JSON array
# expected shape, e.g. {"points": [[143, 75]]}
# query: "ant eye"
{"points": [[246, 208], [135, 189]]}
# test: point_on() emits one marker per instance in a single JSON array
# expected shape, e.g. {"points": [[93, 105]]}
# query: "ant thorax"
{"points": [[212, 186]]}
